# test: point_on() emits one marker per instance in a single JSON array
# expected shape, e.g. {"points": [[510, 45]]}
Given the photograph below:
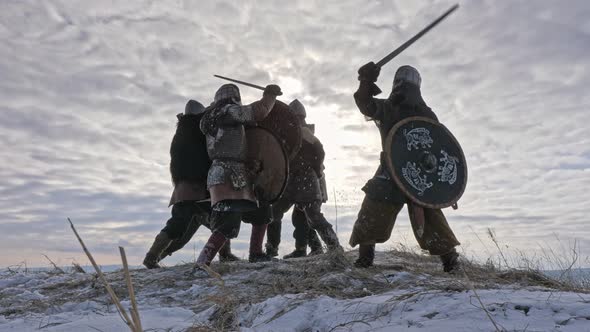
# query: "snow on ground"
{"points": [[405, 292]]}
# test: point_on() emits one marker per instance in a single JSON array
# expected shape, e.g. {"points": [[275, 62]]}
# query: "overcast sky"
{"points": [[89, 92]]}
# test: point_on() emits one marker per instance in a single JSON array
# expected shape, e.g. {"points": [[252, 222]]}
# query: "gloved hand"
{"points": [[273, 90], [369, 72]]}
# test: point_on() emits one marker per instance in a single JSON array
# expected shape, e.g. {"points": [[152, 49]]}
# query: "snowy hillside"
{"points": [[405, 292]]}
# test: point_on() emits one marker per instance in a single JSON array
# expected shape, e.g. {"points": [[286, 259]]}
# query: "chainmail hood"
{"points": [[297, 108], [194, 107], [407, 74], [228, 92]]}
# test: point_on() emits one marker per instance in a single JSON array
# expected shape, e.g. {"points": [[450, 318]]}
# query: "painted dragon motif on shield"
{"points": [[418, 136], [412, 175], [448, 171]]}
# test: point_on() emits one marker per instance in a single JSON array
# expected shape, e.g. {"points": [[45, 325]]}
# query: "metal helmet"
{"points": [[297, 108], [194, 107], [228, 92], [407, 74]]}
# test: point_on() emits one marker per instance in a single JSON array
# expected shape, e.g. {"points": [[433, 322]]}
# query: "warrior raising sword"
{"points": [[384, 199], [229, 179], [306, 185]]}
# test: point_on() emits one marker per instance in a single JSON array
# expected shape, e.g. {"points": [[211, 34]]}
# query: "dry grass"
{"points": [[77, 267], [523, 272], [18, 268], [564, 259], [56, 268], [200, 328], [331, 275], [224, 318]]}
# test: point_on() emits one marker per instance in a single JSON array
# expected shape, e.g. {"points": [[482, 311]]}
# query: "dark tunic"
{"points": [[405, 101], [189, 164], [305, 170]]}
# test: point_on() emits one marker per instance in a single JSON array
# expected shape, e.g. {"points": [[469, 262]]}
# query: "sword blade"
{"points": [[241, 82], [407, 44]]}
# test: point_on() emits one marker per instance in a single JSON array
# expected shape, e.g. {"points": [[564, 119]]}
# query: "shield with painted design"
{"points": [[285, 125], [426, 162], [268, 163]]}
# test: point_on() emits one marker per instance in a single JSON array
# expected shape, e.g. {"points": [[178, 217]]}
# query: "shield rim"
{"points": [[287, 161], [399, 182]]}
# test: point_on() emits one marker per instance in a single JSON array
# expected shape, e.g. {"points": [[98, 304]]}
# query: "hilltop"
{"points": [[404, 292]]}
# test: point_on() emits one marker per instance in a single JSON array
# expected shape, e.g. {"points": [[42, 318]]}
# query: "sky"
{"points": [[89, 93]]}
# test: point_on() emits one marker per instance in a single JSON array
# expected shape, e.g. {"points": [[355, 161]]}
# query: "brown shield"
{"points": [[281, 122], [268, 163]]}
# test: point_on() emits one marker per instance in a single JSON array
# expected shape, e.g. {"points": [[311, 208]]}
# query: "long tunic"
{"points": [[305, 169]]}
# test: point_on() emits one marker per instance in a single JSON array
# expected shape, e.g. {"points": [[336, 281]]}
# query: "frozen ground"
{"points": [[405, 292]]}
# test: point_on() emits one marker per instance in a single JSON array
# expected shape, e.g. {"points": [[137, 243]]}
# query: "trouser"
{"points": [[302, 232], [307, 218], [376, 220], [186, 219], [184, 214], [192, 228], [225, 224]]}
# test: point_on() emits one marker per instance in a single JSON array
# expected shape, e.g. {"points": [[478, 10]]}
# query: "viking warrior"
{"points": [[303, 190], [383, 199], [229, 179], [189, 165]]}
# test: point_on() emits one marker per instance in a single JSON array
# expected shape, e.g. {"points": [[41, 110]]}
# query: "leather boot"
{"points": [[366, 256], [256, 238], [314, 243], [330, 239], [179, 243], [273, 238], [225, 254], [298, 252], [260, 257], [161, 242], [271, 250], [450, 261]]}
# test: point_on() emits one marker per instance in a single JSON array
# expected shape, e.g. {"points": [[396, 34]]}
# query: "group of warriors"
{"points": [[215, 180]]}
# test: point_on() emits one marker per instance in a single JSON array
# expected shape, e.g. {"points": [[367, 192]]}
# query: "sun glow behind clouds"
{"points": [[290, 86]]}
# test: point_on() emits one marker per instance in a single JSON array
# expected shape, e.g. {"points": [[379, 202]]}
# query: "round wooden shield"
{"points": [[426, 162], [268, 163], [285, 126]]}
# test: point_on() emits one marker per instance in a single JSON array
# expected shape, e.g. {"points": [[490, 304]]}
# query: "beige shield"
{"points": [[281, 122], [268, 163]]}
